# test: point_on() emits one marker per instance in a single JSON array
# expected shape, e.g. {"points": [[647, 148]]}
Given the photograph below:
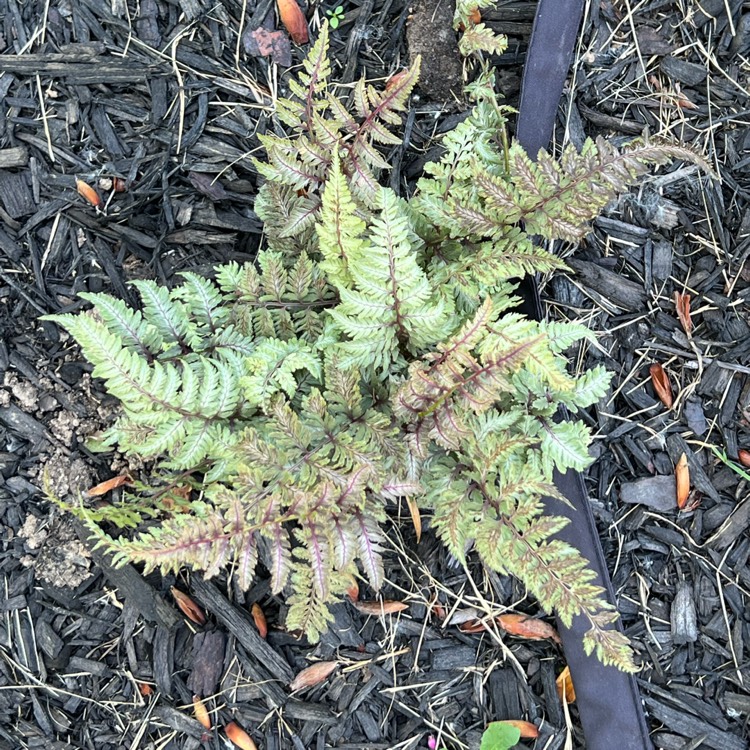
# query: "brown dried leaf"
{"points": [[188, 607], [239, 736], [352, 590], [263, 42], [743, 456], [294, 20], [201, 712], [682, 477], [526, 728], [386, 607], [108, 485], [88, 193], [313, 675], [682, 306], [416, 519], [524, 626], [259, 618], [662, 386], [565, 688]]}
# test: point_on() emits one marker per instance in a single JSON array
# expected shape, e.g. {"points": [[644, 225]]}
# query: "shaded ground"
{"points": [[162, 97]]}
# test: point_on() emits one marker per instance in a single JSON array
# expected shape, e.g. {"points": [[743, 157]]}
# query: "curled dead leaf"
{"points": [[682, 306], [473, 626], [682, 477], [526, 728], [313, 675], [662, 386], [188, 607], [145, 689], [416, 519], [565, 688], [108, 485], [201, 712], [239, 736], [294, 20], [386, 607], [88, 193], [524, 626], [352, 590], [259, 618]]}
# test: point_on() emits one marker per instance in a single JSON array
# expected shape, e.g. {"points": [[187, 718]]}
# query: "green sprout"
{"points": [[335, 16]]}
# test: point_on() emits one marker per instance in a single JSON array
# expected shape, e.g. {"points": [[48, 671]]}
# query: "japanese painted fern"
{"points": [[371, 353]]}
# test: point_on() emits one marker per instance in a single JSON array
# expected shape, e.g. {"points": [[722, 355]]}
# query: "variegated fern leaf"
{"points": [[370, 353]]}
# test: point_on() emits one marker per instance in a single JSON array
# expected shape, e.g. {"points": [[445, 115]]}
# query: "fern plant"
{"points": [[371, 353]]}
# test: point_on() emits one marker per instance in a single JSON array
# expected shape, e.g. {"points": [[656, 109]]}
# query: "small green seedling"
{"points": [[335, 16], [500, 736]]}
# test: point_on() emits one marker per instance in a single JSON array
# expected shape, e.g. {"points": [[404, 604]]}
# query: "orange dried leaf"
{"points": [[239, 736], [682, 306], [416, 519], [744, 456], [526, 728], [201, 712], [188, 607], [682, 477], [313, 675], [352, 590], [527, 627], [473, 626], [260, 620], [294, 20], [476, 17], [108, 485], [88, 193], [565, 688], [662, 386], [145, 689], [386, 607]]}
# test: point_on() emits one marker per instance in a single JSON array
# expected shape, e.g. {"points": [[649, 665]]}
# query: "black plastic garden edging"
{"points": [[608, 700]]}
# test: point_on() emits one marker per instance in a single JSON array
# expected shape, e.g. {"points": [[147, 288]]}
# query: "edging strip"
{"points": [[608, 700]]}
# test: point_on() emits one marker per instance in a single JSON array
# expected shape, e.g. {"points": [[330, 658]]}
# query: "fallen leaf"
{"points": [[499, 735], [145, 689], [743, 456], [682, 306], [119, 185], [473, 626], [475, 16], [260, 620], [266, 42], [239, 736], [313, 675], [88, 193], [527, 627], [352, 590], [201, 712], [662, 386], [108, 485], [386, 607], [565, 688], [416, 519], [188, 607], [526, 729], [294, 20], [682, 477]]}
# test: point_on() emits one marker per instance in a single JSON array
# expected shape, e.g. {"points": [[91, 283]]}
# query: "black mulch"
{"points": [[157, 106]]}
